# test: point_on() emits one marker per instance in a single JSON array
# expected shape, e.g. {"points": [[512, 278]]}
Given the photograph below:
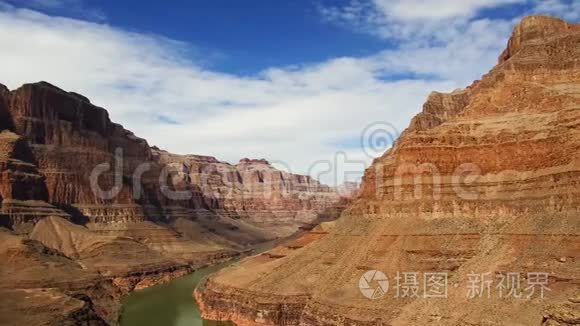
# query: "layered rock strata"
{"points": [[483, 185], [255, 192], [59, 126]]}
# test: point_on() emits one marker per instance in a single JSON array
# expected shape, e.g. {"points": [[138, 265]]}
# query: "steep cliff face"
{"points": [[535, 30], [76, 186], [61, 126], [49, 142], [23, 193], [5, 120], [116, 177], [484, 182]]}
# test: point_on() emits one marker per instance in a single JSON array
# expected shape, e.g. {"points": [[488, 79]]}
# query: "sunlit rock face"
{"points": [[81, 194], [484, 183]]}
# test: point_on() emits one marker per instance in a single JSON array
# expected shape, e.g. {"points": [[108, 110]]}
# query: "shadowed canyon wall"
{"points": [[90, 212]]}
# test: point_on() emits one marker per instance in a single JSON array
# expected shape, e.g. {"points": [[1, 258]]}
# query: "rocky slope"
{"points": [[89, 212], [483, 185]]}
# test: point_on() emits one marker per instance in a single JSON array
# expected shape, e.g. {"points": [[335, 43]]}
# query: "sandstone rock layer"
{"points": [[485, 182]]}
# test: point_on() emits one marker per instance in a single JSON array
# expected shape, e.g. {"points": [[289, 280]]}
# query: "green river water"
{"points": [[172, 303], [169, 304]]}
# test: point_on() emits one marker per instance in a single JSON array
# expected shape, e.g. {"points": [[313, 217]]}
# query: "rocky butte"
{"points": [[90, 212], [485, 181]]}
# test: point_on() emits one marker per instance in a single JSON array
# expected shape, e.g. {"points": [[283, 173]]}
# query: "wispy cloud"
{"points": [[432, 22], [567, 9], [429, 10], [411, 22], [77, 8]]}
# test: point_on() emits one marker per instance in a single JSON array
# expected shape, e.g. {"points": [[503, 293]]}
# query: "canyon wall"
{"points": [[484, 184], [70, 141], [257, 193], [89, 211]]}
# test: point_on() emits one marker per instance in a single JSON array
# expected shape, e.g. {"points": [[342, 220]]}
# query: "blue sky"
{"points": [[297, 82], [249, 36], [238, 37]]}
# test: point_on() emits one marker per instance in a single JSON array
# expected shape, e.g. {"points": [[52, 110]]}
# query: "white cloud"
{"points": [[413, 10], [53, 3], [428, 22], [415, 21], [78, 8], [297, 116], [463, 58], [567, 9]]}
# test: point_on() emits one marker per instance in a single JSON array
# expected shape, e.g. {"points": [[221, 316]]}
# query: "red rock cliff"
{"points": [[68, 137], [66, 235]]}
